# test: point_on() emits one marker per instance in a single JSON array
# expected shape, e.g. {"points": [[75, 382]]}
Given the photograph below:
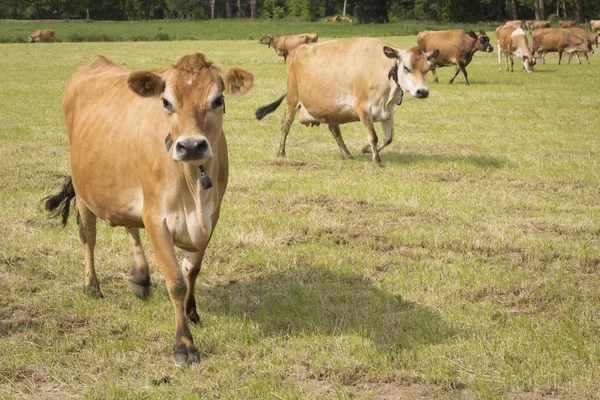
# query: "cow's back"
{"points": [[549, 39], [451, 44]]}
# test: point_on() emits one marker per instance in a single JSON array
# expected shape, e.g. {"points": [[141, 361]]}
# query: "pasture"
{"points": [[467, 267]]}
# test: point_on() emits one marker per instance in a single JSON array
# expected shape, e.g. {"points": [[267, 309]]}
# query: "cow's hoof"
{"points": [[194, 318], [93, 292], [367, 149], [141, 291], [185, 355]]}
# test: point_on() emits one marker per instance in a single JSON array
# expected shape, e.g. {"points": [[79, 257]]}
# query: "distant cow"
{"points": [[595, 25], [511, 42], [532, 25], [456, 47], [557, 40], [516, 23], [567, 23], [148, 151], [349, 80], [591, 37], [283, 45], [42, 36]]}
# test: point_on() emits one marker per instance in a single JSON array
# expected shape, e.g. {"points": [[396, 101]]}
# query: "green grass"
{"points": [[107, 31], [468, 266]]}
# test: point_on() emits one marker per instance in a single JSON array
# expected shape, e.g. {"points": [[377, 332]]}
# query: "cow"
{"points": [[595, 25], [532, 25], [42, 36], [516, 23], [513, 41], [349, 80], [567, 23], [552, 39], [148, 151], [283, 45], [456, 47], [591, 37]]}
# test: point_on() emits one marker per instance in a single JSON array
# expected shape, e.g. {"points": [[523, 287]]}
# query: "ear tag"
{"points": [[205, 181], [399, 100], [168, 141]]}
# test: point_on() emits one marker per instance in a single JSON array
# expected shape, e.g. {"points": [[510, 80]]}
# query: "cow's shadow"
{"points": [[482, 161], [322, 302]]}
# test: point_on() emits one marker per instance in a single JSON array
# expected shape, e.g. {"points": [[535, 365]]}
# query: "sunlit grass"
{"points": [[468, 266]]}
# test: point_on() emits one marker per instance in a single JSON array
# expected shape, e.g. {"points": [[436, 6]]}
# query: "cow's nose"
{"points": [[490, 49], [192, 149], [422, 93]]}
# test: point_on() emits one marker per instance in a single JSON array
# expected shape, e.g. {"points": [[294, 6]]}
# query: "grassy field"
{"points": [[467, 267], [107, 31]]}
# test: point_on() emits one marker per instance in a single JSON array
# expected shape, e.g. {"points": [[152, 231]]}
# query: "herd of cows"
{"points": [[148, 148]]}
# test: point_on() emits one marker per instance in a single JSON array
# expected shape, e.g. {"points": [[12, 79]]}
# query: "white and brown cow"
{"points": [[42, 36], [557, 40], [148, 151], [532, 25], [350, 80], [456, 47], [283, 45], [511, 42], [516, 23]]}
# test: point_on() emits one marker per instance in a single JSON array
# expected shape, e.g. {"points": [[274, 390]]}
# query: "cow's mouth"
{"points": [[489, 49]]}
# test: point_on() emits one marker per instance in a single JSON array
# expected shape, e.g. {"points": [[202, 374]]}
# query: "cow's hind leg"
{"points": [[286, 122], [366, 118], [140, 275], [87, 234], [460, 67], [337, 135]]}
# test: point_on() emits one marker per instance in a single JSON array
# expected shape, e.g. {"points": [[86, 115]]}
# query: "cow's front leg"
{"points": [[140, 275], [191, 268], [435, 77], [161, 241], [366, 118]]}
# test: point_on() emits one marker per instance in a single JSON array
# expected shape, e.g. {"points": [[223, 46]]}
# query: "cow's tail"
{"points": [[269, 108], [60, 204]]}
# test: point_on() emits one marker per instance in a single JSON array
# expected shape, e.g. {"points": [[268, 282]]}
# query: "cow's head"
{"points": [[410, 69], [33, 39], [528, 63], [482, 41], [266, 39], [191, 96]]}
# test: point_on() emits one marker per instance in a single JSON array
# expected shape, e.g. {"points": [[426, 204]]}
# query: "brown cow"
{"points": [[456, 47], [595, 25], [283, 45], [516, 23], [144, 148], [349, 80], [591, 37], [513, 41], [42, 36], [552, 39], [567, 23], [532, 25]]}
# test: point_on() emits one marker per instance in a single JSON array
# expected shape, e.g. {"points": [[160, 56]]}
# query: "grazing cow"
{"points": [[283, 45], [567, 23], [513, 41], [591, 37], [42, 36], [532, 25], [516, 23], [349, 80], [145, 146], [552, 39], [456, 47], [595, 25]]}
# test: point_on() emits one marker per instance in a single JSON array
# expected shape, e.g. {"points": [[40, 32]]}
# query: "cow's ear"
{"points": [[472, 34], [482, 32], [390, 52], [237, 81], [432, 55], [146, 83]]}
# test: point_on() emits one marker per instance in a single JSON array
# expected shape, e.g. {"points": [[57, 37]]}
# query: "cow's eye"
{"points": [[167, 104], [218, 102], [407, 69]]}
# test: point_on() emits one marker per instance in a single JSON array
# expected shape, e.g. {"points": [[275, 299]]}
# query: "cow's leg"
{"points": [[560, 53], [460, 67], [388, 134], [435, 77], [286, 122], [586, 57], [140, 275], [87, 234], [162, 244], [512, 64], [366, 118], [499, 57], [191, 268], [337, 135]]}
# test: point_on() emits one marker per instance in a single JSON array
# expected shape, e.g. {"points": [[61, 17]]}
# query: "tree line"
{"points": [[363, 11]]}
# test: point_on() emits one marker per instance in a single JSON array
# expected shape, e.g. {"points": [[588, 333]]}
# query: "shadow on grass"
{"points": [[437, 159], [317, 301]]}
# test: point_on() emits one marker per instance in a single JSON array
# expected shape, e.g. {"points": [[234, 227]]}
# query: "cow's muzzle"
{"points": [[420, 93], [489, 49], [192, 149]]}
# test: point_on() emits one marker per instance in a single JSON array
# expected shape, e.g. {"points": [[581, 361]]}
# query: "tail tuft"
{"points": [[269, 108], [61, 203]]}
